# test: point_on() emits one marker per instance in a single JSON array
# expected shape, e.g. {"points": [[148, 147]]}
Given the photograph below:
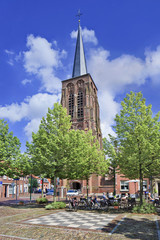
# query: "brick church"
{"points": [[79, 96]]}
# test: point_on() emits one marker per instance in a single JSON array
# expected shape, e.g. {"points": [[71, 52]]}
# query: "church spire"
{"points": [[79, 67]]}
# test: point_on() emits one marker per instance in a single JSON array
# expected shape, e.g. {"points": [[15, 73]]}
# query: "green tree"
{"points": [[9, 150], [23, 165], [47, 150], [138, 133], [85, 156], [34, 183], [93, 158], [111, 149]]}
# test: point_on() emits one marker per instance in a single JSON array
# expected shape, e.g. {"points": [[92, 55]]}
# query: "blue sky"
{"points": [[37, 44]]}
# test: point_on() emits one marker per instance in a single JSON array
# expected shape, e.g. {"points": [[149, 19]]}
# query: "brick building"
{"points": [[10, 187]]}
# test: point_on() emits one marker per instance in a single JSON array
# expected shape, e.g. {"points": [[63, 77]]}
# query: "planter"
{"points": [[116, 207]]}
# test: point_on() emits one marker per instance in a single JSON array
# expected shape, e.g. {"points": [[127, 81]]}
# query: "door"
{"points": [[158, 189], [5, 193]]}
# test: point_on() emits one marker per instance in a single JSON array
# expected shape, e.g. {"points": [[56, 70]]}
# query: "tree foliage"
{"points": [[47, 149], [9, 150], [139, 135], [85, 156]]}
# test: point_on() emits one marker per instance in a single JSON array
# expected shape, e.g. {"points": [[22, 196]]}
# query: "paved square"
{"points": [[81, 220]]}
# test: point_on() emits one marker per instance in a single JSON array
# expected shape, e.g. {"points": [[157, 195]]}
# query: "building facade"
{"points": [[10, 187]]}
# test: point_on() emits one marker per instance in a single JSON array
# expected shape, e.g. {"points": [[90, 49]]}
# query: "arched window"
{"points": [[80, 104]]}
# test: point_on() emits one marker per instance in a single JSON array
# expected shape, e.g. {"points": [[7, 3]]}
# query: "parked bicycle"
{"points": [[73, 204], [104, 204]]}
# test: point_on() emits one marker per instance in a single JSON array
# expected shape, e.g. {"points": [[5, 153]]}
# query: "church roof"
{"points": [[79, 67]]}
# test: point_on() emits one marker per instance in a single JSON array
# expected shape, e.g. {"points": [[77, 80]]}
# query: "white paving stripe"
{"points": [[73, 225]]}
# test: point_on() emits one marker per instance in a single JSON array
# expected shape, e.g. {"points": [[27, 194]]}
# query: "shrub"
{"points": [[42, 200], [56, 205], [144, 208]]}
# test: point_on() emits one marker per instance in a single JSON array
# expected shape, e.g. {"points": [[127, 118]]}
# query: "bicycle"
{"points": [[104, 204], [73, 204]]}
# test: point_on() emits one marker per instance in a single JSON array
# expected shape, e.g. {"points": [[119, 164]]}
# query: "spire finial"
{"points": [[79, 15]]}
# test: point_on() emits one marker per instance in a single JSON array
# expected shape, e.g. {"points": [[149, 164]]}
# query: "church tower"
{"points": [[79, 94]]}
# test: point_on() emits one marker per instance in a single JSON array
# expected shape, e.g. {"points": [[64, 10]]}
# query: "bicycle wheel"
{"points": [[75, 207]]}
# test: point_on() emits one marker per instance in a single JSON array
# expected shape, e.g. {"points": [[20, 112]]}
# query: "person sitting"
{"points": [[104, 196], [95, 199], [150, 198]]}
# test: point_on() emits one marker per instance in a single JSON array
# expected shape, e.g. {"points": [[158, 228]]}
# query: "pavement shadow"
{"points": [[129, 228]]}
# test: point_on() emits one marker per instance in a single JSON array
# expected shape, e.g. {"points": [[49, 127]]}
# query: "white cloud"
{"points": [[108, 110], [32, 126], [10, 62], [42, 61], [115, 74], [153, 64], [9, 52], [55, 43], [32, 109], [88, 35], [10, 56], [112, 76], [25, 81]]}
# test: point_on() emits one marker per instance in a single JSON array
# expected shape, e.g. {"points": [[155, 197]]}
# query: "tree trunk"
{"points": [[141, 186], [114, 192], [55, 188], [87, 188]]}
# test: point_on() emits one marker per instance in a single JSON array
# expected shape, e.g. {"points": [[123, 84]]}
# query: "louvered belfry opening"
{"points": [[71, 99], [71, 104], [80, 104], [80, 97]]}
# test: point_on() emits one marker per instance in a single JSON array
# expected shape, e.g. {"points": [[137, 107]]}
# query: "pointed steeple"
{"points": [[79, 67]]}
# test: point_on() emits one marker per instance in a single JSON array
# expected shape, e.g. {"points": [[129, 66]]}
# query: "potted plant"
{"points": [[21, 202], [116, 205]]}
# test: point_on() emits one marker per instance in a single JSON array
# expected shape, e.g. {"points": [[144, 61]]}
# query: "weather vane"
{"points": [[79, 15]]}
